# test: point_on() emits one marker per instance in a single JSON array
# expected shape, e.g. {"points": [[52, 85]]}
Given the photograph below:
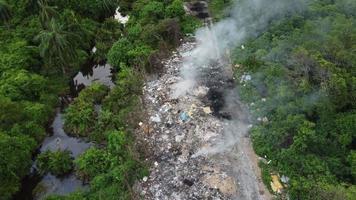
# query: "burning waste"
{"points": [[192, 158], [197, 134]]}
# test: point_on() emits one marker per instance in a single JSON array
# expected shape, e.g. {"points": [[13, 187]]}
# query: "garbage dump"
{"points": [[182, 127]]}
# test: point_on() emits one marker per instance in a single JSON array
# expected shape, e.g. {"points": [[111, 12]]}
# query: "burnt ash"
{"points": [[219, 83], [198, 9]]}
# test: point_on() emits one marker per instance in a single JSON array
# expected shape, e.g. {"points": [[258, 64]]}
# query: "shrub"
{"points": [[119, 52], [93, 162], [175, 9], [80, 116], [56, 162]]}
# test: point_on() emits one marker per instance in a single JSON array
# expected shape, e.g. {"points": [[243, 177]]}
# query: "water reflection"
{"points": [[61, 141], [99, 73], [50, 185]]}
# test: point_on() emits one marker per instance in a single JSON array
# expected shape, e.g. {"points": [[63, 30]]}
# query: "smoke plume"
{"points": [[246, 19]]}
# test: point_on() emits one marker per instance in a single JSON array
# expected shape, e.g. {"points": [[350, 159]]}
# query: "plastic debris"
{"points": [[285, 179], [245, 78], [156, 118], [184, 116], [207, 110], [265, 119], [121, 19], [94, 49]]}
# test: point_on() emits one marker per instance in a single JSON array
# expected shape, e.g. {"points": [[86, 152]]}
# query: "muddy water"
{"points": [[35, 186]]}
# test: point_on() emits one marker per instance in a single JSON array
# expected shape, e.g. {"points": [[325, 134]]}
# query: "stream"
{"points": [[35, 186]]}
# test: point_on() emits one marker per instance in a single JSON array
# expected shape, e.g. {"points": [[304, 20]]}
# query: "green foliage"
{"points": [[217, 7], [55, 46], [56, 162], [15, 160], [302, 80], [105, 37], [38, 39], [124, 98], [190, 24], [94, 161], [4, 11], [175, 9], [152, 11], [154, 28], [80, 116], [95, 9], [22, 85], [112, 169], [119, 52]]}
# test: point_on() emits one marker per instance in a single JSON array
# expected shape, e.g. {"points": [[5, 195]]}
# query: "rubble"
{"points": [[179, 127]]}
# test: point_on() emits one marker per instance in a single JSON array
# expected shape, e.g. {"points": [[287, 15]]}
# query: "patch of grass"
{"points": [[266, 175]]}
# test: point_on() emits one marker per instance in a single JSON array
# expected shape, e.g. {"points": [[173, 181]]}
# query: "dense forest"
{"points": [[43, 43], [301, 90]]}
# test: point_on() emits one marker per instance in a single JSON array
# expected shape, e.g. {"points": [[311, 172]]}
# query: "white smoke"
{"points": [[247, 18]]}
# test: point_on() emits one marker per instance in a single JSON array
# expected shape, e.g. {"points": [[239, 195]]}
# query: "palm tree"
{"points": [[4, 11], [56, 45], [47, 12], [108, 5]]}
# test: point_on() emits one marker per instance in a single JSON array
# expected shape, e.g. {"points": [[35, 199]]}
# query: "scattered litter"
{"points": [[144, 179], [245, 78], [184, 116], [207, 110], [285, 179], [165, 108], [201, 91], [121, 19], [156, 118], [179, 138], [265, 119], [94, 49], [184, 136]]}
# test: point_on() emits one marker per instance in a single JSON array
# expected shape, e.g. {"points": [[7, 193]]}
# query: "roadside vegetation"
{"points": [[301, 89]]}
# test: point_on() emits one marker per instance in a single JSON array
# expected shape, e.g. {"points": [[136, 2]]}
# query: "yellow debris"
{"points": [[192, 110], [276, 184]]}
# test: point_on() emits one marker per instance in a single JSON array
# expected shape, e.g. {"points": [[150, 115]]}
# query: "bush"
{"points": [[80, 116], [15, 159], [119, 52], [57, 162], [93, 162], [175, 9]]}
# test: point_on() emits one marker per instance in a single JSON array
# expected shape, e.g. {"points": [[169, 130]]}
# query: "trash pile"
{"points": [[177, 129]]}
